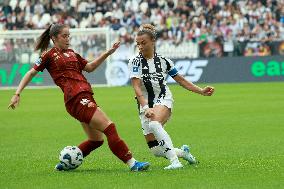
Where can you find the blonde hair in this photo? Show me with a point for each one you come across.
(149, 30)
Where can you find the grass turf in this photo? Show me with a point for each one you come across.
(237, 135)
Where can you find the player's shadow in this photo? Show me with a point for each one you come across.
(114, 171)
(99, 171)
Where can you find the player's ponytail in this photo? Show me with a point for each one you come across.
(42, 42)
(44, 39)
(149, 30)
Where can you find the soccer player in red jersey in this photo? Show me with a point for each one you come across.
(65, 67)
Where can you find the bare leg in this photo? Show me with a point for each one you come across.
(95, 140)
(92, 133)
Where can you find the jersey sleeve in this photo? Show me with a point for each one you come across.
(81, 60)
(41, 62)
(134, 68)
(172, 71)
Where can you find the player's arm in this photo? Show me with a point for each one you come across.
(206, 91)
(136, 83)
(24, 82)
(91, 66)
(173, 72)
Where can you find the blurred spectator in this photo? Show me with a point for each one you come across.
(7, 9)
(229, 23)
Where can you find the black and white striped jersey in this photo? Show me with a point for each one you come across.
(153, 74)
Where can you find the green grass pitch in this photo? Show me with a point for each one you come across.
(237, 134)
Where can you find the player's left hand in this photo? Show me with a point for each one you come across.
(114, 47)
(207, 91)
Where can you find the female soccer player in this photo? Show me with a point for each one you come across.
(65, 67)
(148, 72)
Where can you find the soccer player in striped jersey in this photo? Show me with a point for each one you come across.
(148, 72)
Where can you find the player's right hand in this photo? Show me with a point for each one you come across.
(15, 100)
(149, 112)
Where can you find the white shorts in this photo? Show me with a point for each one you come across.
(145, 121)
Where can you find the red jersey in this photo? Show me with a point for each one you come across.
(65, 67)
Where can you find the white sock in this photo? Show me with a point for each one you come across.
(131, 162)
(164, 140)
(158, 152)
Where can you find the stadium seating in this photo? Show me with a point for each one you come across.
(186, 20)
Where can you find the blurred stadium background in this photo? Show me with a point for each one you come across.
(235, 45)
(243, 37)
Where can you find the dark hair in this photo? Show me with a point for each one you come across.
(149, 30)
(42, 42)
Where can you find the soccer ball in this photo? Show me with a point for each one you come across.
(71, 157)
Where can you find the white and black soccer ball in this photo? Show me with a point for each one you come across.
(71, 157)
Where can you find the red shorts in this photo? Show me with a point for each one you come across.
(82, 107)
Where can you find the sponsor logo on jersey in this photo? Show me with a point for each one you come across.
(84, 101)
(66, 54)
(153, 76)
(55, 56)
(135, 69)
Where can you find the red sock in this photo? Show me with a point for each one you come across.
(116, 144)
(87, 146)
